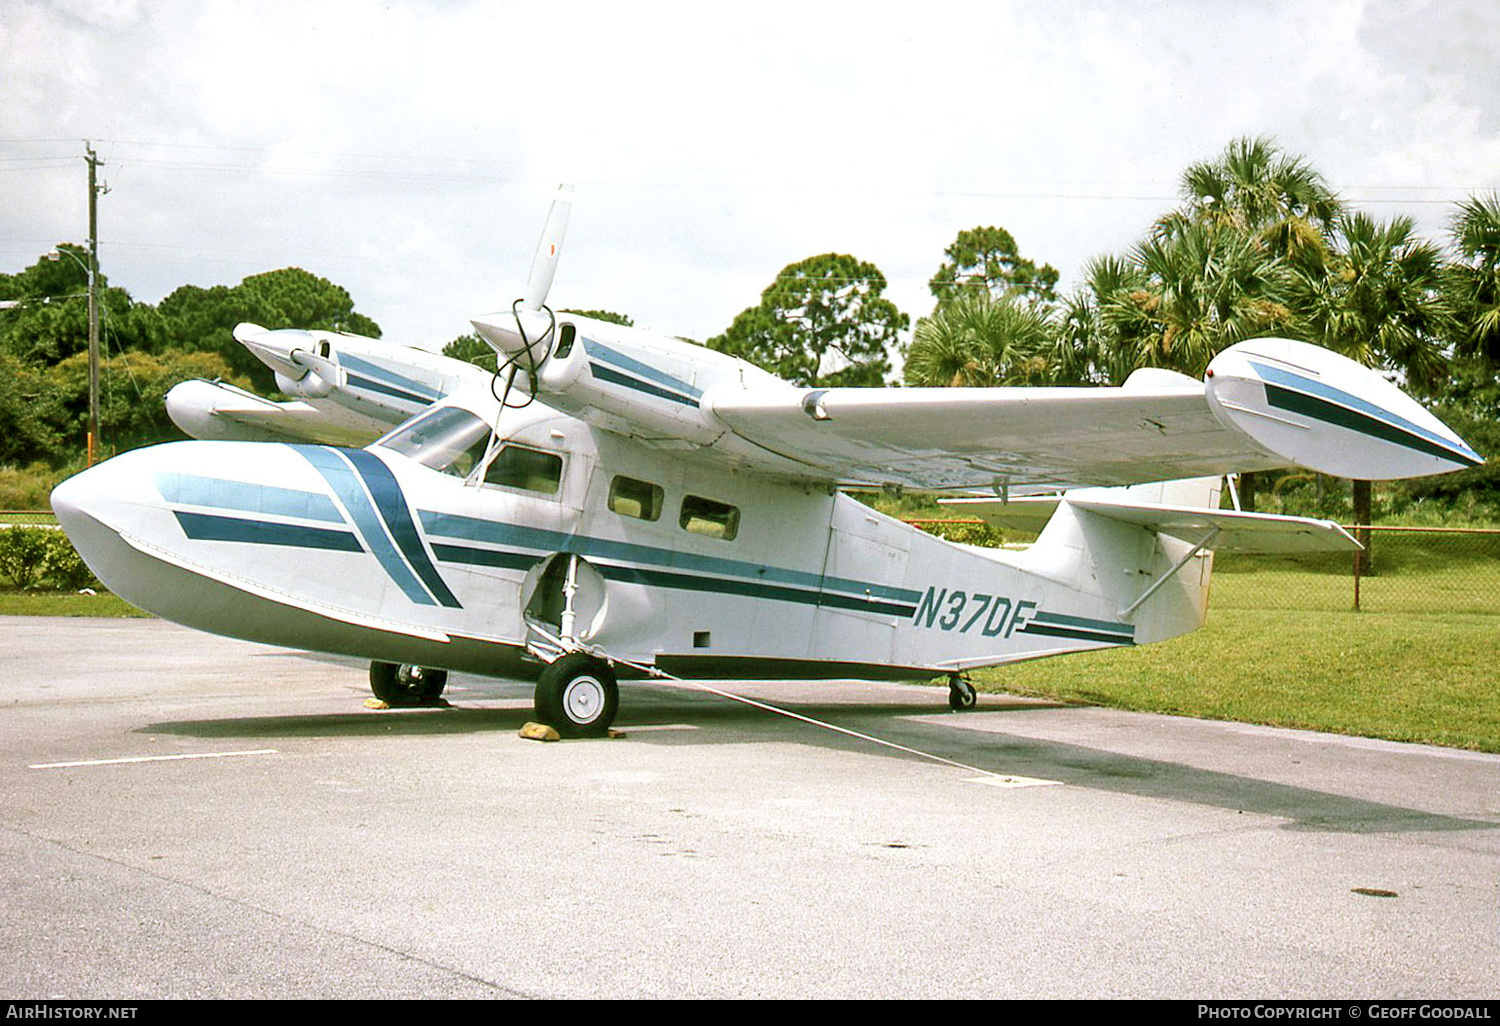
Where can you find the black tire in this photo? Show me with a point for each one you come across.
(578, 696)
(961, 695)
(406, 684)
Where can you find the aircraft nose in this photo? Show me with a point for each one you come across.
(89, 494)
(94, 507)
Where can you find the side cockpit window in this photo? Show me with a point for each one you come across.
(449, 439)
(533, 470)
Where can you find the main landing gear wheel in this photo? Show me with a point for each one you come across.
(406, 684)
(961, 694)
(578, 696)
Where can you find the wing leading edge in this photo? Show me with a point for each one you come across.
(1264, 404)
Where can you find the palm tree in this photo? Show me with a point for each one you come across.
(1204, 287)
(1473, 281)
(977, 340)
(1219, 264)
(1379, 301)
(1254, 188)
(1089, 349)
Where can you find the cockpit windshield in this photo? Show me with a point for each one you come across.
(447, 439)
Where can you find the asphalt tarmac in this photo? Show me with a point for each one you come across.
(187, 816)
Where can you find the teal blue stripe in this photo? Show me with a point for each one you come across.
(1288, 379)
(1081, 621)
(389, 376)
(417, 402)
(449, 525)
(209, 527)
(347, 485)
(390, 502)
(636, 367)
(192, 490)
(603, 373)
(1079, 628)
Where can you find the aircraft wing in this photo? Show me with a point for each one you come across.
(1020, 439)
(1263, 404)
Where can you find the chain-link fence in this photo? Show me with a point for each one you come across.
(1403, 569)
(27, 518)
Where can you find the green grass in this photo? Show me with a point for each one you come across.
(14, 602)
(1421, 673)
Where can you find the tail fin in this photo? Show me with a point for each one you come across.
(1148, 549)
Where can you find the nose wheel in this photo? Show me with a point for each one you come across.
(578, 696)
(961, 694)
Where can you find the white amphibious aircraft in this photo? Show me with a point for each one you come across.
(620, 504)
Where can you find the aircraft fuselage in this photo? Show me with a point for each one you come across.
(400, 552)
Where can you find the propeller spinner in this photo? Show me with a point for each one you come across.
(304, 364)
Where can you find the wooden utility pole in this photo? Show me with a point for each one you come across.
(93, 162)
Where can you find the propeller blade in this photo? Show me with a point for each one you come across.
(544, 265)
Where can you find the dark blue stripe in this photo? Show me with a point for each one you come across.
(346, 484)
(609, 374)
(639, 369)
(1076, 634)
(747, 589)
(485, 557)
(679, 581)
(1331, 413)
(1309, 397)
(1103, 626)
(391, 503)
(450, 525)
(375, 386)
(351, 362)
(208, 527)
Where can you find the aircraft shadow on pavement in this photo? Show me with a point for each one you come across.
(720, 721)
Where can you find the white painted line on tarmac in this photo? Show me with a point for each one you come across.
(1001, 780)
(152, 758)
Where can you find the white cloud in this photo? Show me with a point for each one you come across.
(408, 150)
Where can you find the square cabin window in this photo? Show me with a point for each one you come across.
(529, 469)
(631, 498)
(709, 518)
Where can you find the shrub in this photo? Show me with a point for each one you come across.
(34, 556)
(23, 555)
(29, 487)
(63, 566)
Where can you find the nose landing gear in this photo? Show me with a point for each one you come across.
(578, 696)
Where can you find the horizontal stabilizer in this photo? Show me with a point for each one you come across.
(1234, 531)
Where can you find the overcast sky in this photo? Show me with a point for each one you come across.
(408, 151)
